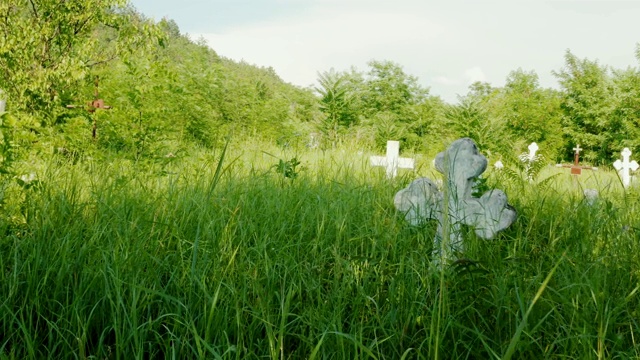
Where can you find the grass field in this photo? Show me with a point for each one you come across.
(188, 259)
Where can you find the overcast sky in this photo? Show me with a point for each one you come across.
(446, 44)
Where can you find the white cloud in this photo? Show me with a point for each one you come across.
(474, 74)
(443, 80)
(447, 45)
(329, 37)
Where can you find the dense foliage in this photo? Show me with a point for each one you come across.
(189, 260)
(219, 212)
(168, 92)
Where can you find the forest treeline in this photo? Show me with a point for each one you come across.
(168, 92)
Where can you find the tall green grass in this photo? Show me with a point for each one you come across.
(188, 260)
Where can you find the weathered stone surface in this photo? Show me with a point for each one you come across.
(421, 201)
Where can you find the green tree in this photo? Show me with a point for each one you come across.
(627, 107)
(48, 46)
(532, 113)
(338, 103)
(587, 108)
(254, 101)
(427, 124)
(472, 118)
(395, 105)
(389, 89)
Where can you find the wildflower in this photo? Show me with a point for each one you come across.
(27, 178)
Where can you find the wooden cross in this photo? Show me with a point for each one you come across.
(93, 105)
(576, 169)
(392, 161)
(624, 166)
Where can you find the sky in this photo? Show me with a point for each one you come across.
(446, 44)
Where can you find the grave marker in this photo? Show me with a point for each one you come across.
(529, 160)
(576, 168)
(533, 148)
(93, 105)
(461, 164)
(624, 166)
(392, 161)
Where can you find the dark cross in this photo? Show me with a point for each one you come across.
(576, 169)
(94, 104)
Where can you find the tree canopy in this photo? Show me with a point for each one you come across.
(167, 91)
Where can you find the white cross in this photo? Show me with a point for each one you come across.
(624, 166)
(532, 151)
(392, 161)
(577, 149)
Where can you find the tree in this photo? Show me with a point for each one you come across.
(472, 118)
(389, 89)
(626, 112)
(395, 106)
(48, 46)
(337, 102)
(587, 106)
(532, 113)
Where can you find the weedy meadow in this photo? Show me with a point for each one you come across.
(256, 251)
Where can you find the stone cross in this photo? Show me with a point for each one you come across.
(533, 147)
(392, 161)
(624, 166)
(453, 207)
(529, 159)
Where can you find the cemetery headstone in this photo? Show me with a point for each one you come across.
(392, 161)
(576, 168)
(529, 160)
(533, 148)
(461, 164)
(625, 166)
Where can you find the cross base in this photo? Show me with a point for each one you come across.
(577, 170)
